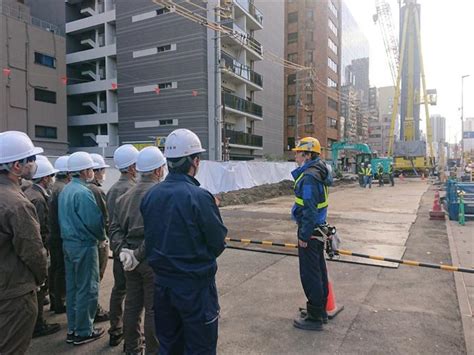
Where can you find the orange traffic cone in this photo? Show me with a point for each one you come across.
(331, 308)
(436, 212)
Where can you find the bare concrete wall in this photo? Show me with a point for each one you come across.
(272, 37)
(18, 108)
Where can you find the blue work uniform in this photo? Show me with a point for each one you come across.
(82, 228)
(184, 234)
(311, 189)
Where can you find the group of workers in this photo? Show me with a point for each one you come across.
(366, 175)
(165, 235)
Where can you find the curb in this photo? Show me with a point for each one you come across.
(461, 291)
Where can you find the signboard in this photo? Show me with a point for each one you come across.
(468, 135)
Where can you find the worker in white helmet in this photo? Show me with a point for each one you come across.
(184, 235)
(125, 159)
(57, 277)
(95, 185)
(129, 242)
(38, 194)
(22, 254)
(82, 229)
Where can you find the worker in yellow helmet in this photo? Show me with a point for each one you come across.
(312, 180)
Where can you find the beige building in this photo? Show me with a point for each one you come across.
(33, 77)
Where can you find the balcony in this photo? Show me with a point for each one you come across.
(240, 37)
(252, 12)
(243, 139)
(242, 71)
(241, 106)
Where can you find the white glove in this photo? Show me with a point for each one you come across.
(128, 259)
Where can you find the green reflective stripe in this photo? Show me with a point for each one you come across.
(298, 179)
(299, 201)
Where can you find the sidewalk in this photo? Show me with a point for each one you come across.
(461, 244)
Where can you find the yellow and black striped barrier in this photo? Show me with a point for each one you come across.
(350, 253)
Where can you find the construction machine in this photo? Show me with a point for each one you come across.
(412, 154)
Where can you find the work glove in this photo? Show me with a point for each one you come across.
(128, 259)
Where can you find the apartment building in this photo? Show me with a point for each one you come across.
(91, 57)
(32, 81)
(313, 39)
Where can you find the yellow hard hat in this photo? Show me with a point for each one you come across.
(308, 144)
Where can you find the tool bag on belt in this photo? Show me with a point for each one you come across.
(327, 234)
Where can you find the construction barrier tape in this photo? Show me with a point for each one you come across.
(351, 253)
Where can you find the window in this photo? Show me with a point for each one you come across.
(332, 45)
(149, 14)
(309, 36)
(293, 57)
(309, 98)
(46, 60)
(154, 50)
(332, 26)
(310, 14)
(293, 37)
(151, 88)
(293, 17)
(309, 56)
(309, 118)
(331, 83)
(332, 65)
(46, 132)
(291, 120)
(332, 104)
(333, 8)
(332, 122)
(291, 143)
(291, 79)
(45, 96)
(291, 100)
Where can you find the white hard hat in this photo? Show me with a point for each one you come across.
(80, 161)
(181, 143)
(99, 160)
(16, 146)
(149, 159)
(125, 155)
(61, 163)
(45, 168)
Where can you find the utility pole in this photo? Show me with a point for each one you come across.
(217, 90)
(462, 119)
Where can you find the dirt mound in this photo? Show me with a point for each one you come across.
(265, 192)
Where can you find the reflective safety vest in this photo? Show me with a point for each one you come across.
(299, 201)
(368, 172)
(390, 169)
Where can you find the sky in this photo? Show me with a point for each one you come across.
(447, 30)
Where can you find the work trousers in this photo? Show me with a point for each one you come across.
(117, 296)
(57, 276)
(380, 180)
(368, 181)
(17, 321)
(392, 180)
(313, 273)
(139, 295)
(186, 320)
(82, 288)
(103, 258)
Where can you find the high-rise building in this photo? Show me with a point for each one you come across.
(379, 127)
(438, 127)
(313, 39)
(91, 74)
(32, 78)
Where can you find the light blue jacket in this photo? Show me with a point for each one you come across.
(80, 218)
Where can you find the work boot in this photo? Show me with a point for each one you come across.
(101, 315)
(96, 334)
(115, 339)
(324, 314)
(46, 329)
(312, 321)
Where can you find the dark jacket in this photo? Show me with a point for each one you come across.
(54, 229)
(126, 230)
(23, 263)
(117, 190)
(184, 232)
(311, 190)
(99, 196)
(39, 198)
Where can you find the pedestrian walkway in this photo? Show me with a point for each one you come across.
(461, 243)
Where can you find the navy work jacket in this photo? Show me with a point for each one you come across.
(311, 197)
(184, 232)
